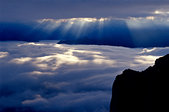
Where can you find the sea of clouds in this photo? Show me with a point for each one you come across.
(49, 77)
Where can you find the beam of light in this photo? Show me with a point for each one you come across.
(49, 24)
(68, 25)
(101, 26)
(80, 24)
(140, 22)
(81, 27)
(138, 26)
(85, 23)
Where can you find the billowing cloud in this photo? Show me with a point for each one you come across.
(45, 76)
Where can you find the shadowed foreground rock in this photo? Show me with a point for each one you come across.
(145, 91)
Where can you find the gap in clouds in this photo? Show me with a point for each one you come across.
(150, 31)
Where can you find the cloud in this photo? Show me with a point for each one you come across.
(155, 51)
(150, 31)
(45, 76)
(3, 54)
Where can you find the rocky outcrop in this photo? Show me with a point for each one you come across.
(145, 91)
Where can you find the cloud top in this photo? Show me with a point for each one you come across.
(45, 76)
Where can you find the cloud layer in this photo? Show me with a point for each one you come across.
(46, 76)
(150, 31)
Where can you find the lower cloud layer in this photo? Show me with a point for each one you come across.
(46, 76)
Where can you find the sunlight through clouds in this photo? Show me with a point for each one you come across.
(21, 60)
(148, 31)
(51, 24)
(64, 55)
(3, 54)
(71, 55)
(51, 76)
(140, 22)
(161, 12)
(31, 43)
(146, 59)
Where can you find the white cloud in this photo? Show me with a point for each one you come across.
(54, 77)
(161, 12)
(21, 60)
(38, 99)
(3, 54)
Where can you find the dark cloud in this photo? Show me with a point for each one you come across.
(23, 10)
(147, 31)
(46, 76)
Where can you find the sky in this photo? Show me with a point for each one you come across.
(28, 10)
(128, 23)
(63, 55)
(46, 77)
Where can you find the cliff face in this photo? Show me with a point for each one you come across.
(145, 91)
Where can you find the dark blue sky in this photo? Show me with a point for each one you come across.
(22, 10)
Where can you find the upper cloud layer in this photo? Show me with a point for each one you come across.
(46, 76)
(150, 31)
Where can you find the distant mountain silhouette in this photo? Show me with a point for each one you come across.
(145, 91)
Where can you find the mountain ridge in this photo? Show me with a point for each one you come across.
(145, 91)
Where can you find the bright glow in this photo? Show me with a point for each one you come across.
(54, 23)
(72, 20)
(31, 43)
(140, 22)
(65, 55)
(55, 60)
(141, 18)
(40, 73)
(3, 54)
(102, 60)
(80, 23)
(145, 50)
(158, 12)
(146, 59)
(150, 17)
(21, 60)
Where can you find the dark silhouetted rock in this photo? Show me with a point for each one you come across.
(145, 91)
